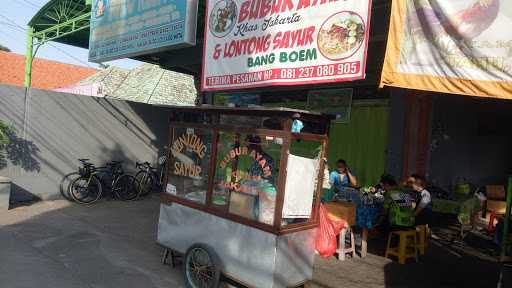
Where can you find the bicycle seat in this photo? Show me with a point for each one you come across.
(145, 164)
(83, 160)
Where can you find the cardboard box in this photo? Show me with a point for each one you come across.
(342, 210)
(242, 205)
(495, 192)
(499, 207)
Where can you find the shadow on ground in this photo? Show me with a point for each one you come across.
(59, 244)
(447, 263)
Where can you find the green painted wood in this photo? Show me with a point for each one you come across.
(362, 142)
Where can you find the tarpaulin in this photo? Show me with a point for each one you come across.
(461, 47)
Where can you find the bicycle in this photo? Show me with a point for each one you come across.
(89, 187)
(86, 189)
(70, 177)
(147, 177)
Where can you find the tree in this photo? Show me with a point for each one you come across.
(4, 134)
(3, 48)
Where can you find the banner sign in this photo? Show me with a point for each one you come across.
(461, 47)
(127, 28)
(254, 43)
(335, 102)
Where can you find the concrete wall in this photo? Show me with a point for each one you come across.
(61, 128)
(472, 138)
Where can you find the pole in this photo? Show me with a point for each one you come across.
(28, 56)
(28, 79)
(506, 222)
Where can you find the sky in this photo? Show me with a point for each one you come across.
(12, 36)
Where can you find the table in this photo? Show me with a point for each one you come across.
(347, 211)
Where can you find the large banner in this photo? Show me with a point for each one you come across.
(127, 28)
(254, 43)
(457, 46)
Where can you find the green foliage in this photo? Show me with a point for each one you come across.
(5, 130)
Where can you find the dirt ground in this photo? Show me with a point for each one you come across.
(112, 244)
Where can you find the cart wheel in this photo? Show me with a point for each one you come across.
(201, 267)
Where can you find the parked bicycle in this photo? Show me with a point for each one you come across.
(150, 178)
(92, 182)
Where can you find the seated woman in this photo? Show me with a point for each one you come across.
(342, 178)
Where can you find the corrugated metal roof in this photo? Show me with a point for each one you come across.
(147, 83)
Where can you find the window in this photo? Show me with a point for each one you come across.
(189, 165)
(247, 171)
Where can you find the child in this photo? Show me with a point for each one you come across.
(423, 210)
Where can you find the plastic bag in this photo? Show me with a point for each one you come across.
(326, 235)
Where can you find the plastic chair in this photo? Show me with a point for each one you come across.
(407, 246)
(422, 234)
(343, 248)
(490, 227)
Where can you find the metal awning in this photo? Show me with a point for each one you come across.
(63, 21)
(67, 22)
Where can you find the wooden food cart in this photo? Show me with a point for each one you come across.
(242, 194)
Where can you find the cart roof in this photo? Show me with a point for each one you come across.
(254, 111)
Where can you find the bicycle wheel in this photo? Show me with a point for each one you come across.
(126, 187)
(85, 190)
(65, 184)
(201, 267)
(146, 182)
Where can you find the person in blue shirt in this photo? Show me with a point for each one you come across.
(342, 177)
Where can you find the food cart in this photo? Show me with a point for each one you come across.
(242, 194)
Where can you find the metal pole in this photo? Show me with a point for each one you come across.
(28, 73)
(28, 56)
(506, 222)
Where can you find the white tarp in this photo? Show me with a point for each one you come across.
(301, 177)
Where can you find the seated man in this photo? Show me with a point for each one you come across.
(394, 198)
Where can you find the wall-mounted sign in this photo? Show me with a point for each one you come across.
(127, 28)
(254, 43)
(337, 102)
(236, 99)
(459, 47)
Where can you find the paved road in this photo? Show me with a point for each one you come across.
(111, 244)
(55, 244)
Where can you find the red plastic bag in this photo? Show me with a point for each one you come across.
(326, 235)
(338, 225)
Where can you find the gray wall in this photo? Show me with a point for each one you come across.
(473, 139)
(63, 127)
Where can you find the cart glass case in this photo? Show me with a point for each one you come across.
(247, 166)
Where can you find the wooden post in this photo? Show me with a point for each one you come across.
(364, 242)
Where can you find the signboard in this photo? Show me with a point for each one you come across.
(461, 47)
(127, 28)
(236, 99)
(337, 102)
(254, 43)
